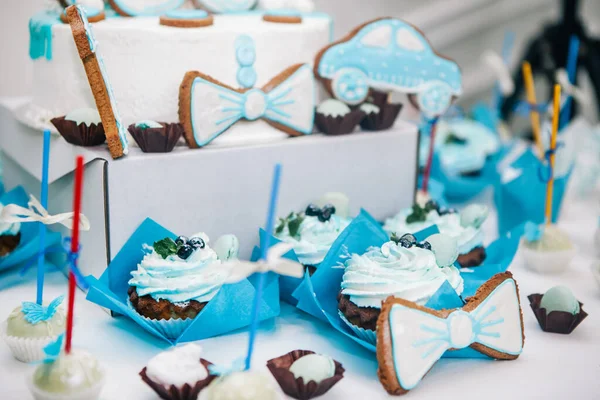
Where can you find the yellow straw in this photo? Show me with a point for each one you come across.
(550, 187)
(534, 115)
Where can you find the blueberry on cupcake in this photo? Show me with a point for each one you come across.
(464, 226)
(10, 236)
(334, 117)
(402, 268)
(177, 278)
(81, 127)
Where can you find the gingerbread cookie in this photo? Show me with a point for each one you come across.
(207, 107)
(412, 338)
(94, 10)
(95, 16)
(387, 55)
(144, 8)
(186, 19)
(283, 16)
(116, 133)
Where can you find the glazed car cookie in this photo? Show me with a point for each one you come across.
(412, 338)
(388, 54)
(135, 8)
(207, 107)
(116, 133)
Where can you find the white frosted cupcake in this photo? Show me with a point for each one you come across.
(30, 327)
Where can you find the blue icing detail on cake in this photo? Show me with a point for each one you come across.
(245, 54)
(227, 6)
(113, 103)
(154, 10)
(186, 14)
(284, 12)
(40, 34)
(391, 55)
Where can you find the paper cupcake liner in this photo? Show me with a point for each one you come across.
(556, 321)
(382, 120)
(297, 388)
(80, 135)
(157, 140)
(26, 350)
(170, 328)
(341, 125)
(186, 392)
(92, 393)
(367, 335)
(547, 261)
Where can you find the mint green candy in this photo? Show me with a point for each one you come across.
(560, 298)
(313, 367)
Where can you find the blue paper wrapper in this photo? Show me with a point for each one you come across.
(230, 309)
(287, 284)
(28, 247)
(524, 198)
(317, 295)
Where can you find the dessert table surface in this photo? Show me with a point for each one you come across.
(552, 366)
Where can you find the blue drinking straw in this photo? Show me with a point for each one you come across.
(42, 227)
(507, 47)
(572, 74)
(263, 256)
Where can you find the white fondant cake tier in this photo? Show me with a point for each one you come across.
(146, 62)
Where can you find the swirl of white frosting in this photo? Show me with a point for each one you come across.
(199, 277)
(468, 237)
(408, 273)
(177, 366)
(9, 228)
(314, 238)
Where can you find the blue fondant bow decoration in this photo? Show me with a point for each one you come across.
(53, 349)
(36, 313)
(223, 370)
(420, 336)
(210, 107)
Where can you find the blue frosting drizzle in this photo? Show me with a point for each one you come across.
(245, 54)
(36, 313)
(40, 35)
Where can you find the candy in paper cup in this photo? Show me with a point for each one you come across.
(24, 349)
(92, 393)
(544, 262)
(367, 335)
(171, 328)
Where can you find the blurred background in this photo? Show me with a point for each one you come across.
(461, 29)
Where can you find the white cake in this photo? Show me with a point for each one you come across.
(146, 62)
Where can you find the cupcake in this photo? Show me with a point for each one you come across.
(312, 232)
(10, 235)
(30, 327)
(402, 268)
(557, 310)
(243, 385)
(303, 375)
(82, 127)
(379, 113)
(546, 248)
(177, 278)
(465, 227)
(73, 376)
(179, 373)
(156, 137)
(334, 117)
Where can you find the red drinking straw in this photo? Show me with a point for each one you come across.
(427, 171)
(74, 248)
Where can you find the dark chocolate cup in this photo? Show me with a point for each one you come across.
(80, 135)
(157, 140)
(382, 120)
(186, 392)
(555, 321)
(297, 388)
(8, 243)
(341, 125)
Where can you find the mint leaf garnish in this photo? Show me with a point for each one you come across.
(394, 238)
(165, 247)
(452, 138)
(280, 226)
(418, 214)
(294, 224)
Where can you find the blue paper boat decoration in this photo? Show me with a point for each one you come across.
(28, 247)
(524, 198)
(229, 310)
